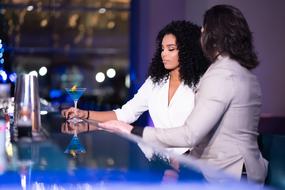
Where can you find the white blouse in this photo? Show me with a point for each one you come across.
(154, 98)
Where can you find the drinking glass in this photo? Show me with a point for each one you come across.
(75, 94)
(75, 147)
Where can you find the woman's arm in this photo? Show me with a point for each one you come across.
(128, 113)
(131, 110)
(100, 116)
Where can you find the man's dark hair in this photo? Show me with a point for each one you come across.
(226, 32)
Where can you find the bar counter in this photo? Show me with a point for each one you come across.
(83, 156)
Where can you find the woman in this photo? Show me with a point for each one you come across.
(222, 128)
(167, 93)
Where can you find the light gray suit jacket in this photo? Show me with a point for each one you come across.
(222, 128)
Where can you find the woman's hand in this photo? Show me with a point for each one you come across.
(70, 128)
(72, 112)
(116, 126)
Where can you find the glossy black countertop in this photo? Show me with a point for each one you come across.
(82, 156)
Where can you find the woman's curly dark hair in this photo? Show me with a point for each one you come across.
(192, 62)
(226, 32)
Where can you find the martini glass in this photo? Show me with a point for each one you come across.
(75, 94)
(75, 147)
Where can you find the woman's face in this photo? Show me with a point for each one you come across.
(169, 52)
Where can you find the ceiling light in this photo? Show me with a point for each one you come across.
(30, 8)
(111, 73)
(44, 23)
(102, 10)
(100, 77)
(43, 71)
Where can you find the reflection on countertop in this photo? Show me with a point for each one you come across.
(109, 161)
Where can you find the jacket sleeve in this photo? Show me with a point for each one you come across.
(131, 110)
(212, 100)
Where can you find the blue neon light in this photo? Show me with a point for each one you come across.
(3, 75)
(13, 77)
